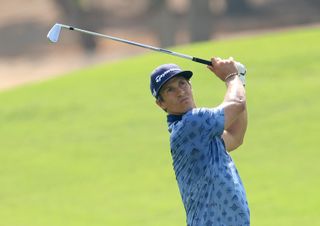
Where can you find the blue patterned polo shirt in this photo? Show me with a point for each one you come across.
(209, 183)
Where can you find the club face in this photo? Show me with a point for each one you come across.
(53, 34)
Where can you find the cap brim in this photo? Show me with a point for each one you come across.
(185, 74)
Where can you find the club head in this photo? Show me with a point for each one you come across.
(53, 34)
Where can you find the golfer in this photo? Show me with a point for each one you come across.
(200, 139)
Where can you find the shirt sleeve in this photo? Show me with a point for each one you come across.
(210, 119)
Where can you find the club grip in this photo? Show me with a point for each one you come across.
(202, 61)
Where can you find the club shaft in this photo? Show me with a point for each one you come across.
(133, 43)
(198, 60)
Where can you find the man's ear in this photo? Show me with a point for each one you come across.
(161, 104)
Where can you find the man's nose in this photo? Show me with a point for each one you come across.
(181, 91)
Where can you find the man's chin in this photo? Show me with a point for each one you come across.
(183, 108)
(188, 105)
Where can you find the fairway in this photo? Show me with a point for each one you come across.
(91, 148)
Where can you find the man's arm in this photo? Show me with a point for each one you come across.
(234, 135)
(234, 103)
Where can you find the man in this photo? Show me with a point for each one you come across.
(210, 187)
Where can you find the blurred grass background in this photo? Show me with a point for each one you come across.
(92, 148)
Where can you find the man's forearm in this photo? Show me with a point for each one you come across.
(234, 133)
(234, 101)
(235, 90)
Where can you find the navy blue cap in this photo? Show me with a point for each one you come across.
(164, 73)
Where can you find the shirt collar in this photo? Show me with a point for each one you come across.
(173, 118)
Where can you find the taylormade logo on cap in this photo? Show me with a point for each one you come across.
(154, 92)
(159, 77)
(164, 73)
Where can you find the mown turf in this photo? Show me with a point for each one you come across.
(91, 148)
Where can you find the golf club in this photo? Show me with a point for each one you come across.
(54, 33)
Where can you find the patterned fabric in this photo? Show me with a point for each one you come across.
(209, 183)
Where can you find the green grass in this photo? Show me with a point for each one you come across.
(91, 148)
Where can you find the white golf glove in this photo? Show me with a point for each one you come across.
(242, 72)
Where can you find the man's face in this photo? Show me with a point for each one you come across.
(176, 96)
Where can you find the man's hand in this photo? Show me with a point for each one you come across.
(223, 67)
